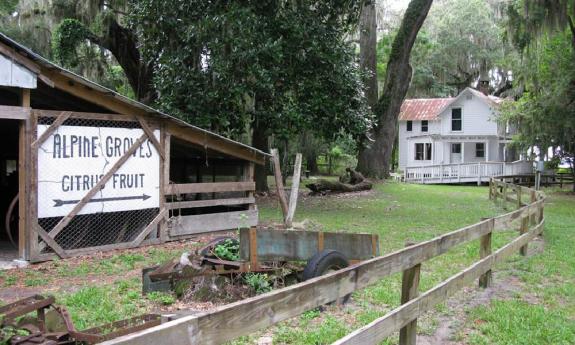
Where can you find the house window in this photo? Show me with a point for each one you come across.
(456, 119)
(418, 152)
(480, 150)
(456, 148)
(427, 151)
(424, 125)
(423, 151)
(409, 126)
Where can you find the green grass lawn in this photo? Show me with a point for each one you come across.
(405, 212)
(540, 309)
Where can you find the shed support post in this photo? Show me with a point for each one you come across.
(409, 291)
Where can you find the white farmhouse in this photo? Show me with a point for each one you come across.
(453, 140)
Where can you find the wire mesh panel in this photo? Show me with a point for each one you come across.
(71, 163)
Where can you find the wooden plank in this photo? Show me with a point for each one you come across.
(94, 116)
(286, 245)
(53, 127)
(151, 137)
(209, 203)
(189, 225)
(504, 221)
(213, 187)
(51, 242)
(64, 221)
(15, 113)
(409, 291)
(153, 225)
(294, 191)
(279, 183)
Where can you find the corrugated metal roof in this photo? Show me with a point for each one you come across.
(27, 52)
(422, 109)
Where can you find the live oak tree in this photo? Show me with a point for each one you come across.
(271, 68)
(90, 37)
(375, 155)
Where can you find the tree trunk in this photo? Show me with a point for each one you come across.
(260, 141)
(374, 160)
(334, 186)
(368, 49)
(123, 44)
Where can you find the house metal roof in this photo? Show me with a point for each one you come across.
(28, 53)
(422, 109)
(431, 108)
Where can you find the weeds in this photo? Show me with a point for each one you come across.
(258, 282)
(161, 298)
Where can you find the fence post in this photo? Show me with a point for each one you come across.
(505, 195)
(484, 251)
(409, 291)
(533, 200)
(522, 230)
(490, 188)
(495, 189)
(518, 188)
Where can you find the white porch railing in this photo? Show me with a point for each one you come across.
(465, 172)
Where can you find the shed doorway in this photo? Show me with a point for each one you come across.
(9, 186)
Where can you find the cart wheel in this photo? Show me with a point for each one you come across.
(324, 262)
(207, 249)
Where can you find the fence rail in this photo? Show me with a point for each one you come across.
(244, 317)
(465, 172)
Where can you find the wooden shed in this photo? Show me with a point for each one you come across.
(85, 169)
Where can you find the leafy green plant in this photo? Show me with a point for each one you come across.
(228, 250)
(161, 298)
(8, 332)
(258, 282)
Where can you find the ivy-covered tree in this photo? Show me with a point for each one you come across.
(276, 68)
(544, 35)
(89, 37)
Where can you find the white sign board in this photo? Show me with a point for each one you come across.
(74, 158)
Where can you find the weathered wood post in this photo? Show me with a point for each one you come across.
(484, 251)
(505, 195)
(409, 291)
(254, 265)
(294, 191)
(518, 189)
(522, 230)
(490, 188)
(279, 182)
(533, 200)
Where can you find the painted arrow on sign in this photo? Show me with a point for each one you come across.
(58, 202)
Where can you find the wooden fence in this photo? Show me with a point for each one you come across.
(244, 317)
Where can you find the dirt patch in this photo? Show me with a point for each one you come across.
(505, 285)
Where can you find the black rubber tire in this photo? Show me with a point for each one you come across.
(324, 261)
(215, 242)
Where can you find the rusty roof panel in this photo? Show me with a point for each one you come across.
(422, 109)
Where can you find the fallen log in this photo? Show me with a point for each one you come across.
(321, 186)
